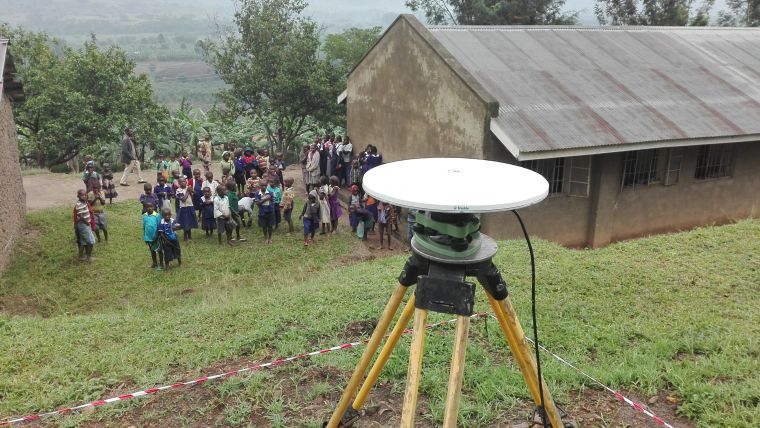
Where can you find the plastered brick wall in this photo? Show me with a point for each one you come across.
(12, 196)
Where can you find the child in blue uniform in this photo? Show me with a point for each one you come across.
(167, 238)
(207, 212)
(150, 221)
(265, 201)
(310, 216)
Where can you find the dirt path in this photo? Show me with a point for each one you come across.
(50, 190)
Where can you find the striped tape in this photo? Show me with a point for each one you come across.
(204, 379)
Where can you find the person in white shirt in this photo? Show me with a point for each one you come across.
(210, 183)
(347, 153)
(222, 214)
(245, 205)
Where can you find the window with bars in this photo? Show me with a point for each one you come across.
(553, 171)
(714, 161)
(673, 168)
(639, 168)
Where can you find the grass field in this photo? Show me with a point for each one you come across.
(672, 315)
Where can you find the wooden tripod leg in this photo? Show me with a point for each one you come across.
(511, 327)
(385, 354)
(409, 410)
(374, 342)
(457, 372)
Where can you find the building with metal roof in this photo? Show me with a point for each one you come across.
(638, 130)
(13, 204)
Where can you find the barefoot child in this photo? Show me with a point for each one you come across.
(324, 205)
(107, 183)
(332, 199)
(222, 214)
(286, 205)
(207, 212)
(385, 221)
(150, 220)
(97, 202)
(234, 209)
(265, 201)
(167, 239)
(310, 216)
(84, 223)
(186, 213)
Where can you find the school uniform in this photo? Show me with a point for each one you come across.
(266, 209)
(222, 213)
(168, 240)
(186, 213)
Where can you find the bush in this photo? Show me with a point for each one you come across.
(61, 168)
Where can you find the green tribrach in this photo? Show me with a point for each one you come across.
(450, 235)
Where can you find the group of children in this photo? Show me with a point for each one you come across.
(183, 199)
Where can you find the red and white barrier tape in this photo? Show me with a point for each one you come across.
(642, 408)
(203, 379)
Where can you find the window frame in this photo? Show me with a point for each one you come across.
(640, 170)
(727, 166)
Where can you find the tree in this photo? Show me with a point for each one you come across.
(272, 66)
(744, 13)
(77, 99)
(494, 12)
(344, 50)
(653, 12)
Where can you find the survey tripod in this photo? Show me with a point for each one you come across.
(447, 248)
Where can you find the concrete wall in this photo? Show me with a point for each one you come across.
(612, 214)
(691, 202)
(404, 99)
(558, 218)
(13, 199)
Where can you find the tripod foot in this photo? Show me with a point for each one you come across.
(349, 417)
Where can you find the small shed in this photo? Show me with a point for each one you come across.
(639, 130)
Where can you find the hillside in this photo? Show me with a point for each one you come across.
(670, 320)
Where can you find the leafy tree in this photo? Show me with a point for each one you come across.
(77, 99)
(653, 12)
(272, 65)
(744, 13)
(494, 12)
(344, 50)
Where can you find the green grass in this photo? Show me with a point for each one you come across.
(675, 313)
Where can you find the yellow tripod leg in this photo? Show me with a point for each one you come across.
(409, 410)
(385, 354)
(510, 325)
(457, 372)
(374, 342)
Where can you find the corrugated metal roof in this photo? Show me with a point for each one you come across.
(563, 88)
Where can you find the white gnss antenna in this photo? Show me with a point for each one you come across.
(449, 195)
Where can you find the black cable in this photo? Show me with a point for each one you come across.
(533, 314)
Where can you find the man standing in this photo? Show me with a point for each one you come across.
(129, 158)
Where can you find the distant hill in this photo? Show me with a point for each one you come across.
(77, 17)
